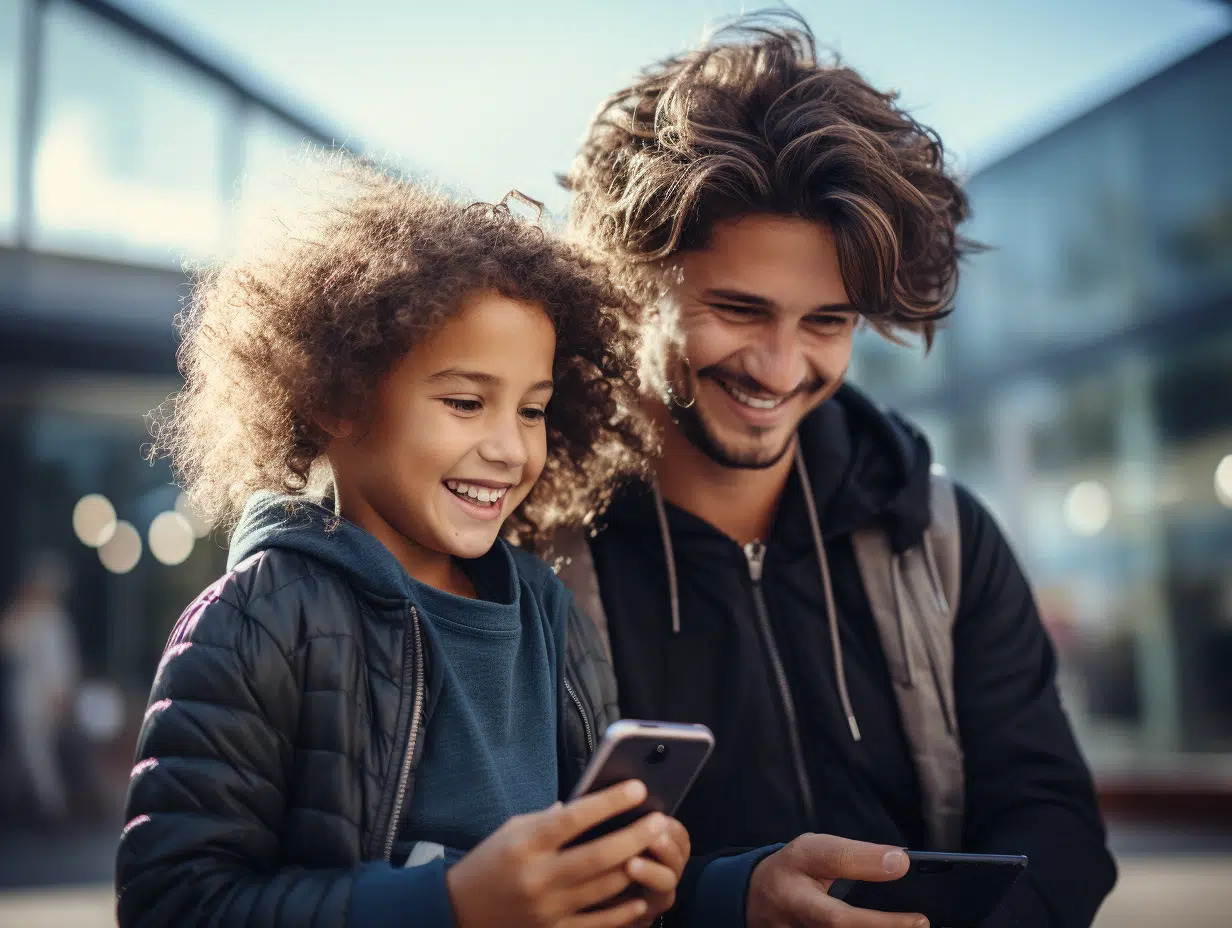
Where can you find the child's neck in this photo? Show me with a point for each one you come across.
(434, 568)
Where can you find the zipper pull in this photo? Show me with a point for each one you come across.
(755, 554)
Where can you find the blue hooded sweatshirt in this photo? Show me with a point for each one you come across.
(490, 747)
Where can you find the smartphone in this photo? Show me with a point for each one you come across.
(952, 890)
(666, 756)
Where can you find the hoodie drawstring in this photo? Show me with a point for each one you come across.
(822, 563)
(669, 555)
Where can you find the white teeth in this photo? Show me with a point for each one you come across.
(478, 494)
(753, 401)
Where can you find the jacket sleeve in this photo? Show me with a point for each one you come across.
(208, 793)
(714, 889)
(1028, 789)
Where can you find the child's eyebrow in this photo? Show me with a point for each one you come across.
(477, 377)
(480, 377)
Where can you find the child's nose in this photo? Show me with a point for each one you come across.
(506, 445)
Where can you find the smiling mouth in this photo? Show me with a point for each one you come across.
(748, 399)
(479, 495)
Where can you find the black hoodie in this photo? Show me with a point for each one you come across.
(1028, 790)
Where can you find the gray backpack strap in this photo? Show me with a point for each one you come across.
(570, 557)
(914, 598)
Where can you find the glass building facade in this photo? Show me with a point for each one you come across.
(1084, 389)
(121, 155)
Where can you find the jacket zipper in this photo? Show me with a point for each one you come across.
(755, 553)
(590, 735)
(404, 778)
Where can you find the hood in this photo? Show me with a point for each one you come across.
(867, 466)
(272, 520)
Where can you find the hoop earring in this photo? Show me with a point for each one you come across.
(674, 395)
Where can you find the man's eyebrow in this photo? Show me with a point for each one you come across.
(752, 299)
(738, 296)
(482, 378)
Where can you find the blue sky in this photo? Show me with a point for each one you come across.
(488, 95)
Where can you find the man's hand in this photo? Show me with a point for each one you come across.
(658, 871)
(789, 888)
(524, 876)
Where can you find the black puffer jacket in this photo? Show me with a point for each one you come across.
(278, 753)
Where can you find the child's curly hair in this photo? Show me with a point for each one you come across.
(298, 330)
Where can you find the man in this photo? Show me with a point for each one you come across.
(765, 204)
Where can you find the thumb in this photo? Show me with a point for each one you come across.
(828, 858)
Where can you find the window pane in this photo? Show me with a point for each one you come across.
(12, 13)
(128, 158)
(1187, 136)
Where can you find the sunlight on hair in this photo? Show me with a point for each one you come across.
(200, 526)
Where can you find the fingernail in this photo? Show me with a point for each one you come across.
(893, 862)
(635, 790)
(922, 923)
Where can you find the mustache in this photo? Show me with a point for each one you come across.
(806, 387)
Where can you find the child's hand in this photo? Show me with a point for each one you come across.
(658, 871)
(521, 877)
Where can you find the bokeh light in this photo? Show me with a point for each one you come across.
(1088, 506)
(94, 520)
(123, 550)
(1223, 481)
(171, 538)
(200, 527)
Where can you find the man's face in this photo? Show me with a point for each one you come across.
(767, 332)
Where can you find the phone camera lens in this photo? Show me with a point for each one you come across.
(658, 755)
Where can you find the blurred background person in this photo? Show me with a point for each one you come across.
(41, 677)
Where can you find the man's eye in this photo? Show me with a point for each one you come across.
(463, 405)
(737, 310)
(829, 322)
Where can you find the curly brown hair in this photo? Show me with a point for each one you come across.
(296, 331)
(754, 122)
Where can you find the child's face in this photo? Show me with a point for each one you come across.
(457, 439)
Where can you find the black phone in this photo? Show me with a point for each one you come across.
(952, 890)
(666, 756)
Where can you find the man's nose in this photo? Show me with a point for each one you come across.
(776, 360)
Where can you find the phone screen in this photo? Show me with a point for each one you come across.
(955, 890)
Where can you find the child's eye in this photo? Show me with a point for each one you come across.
(462, 405)
(533, 414)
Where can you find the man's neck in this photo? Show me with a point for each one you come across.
(739, 502)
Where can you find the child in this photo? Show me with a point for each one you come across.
(378, 673)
